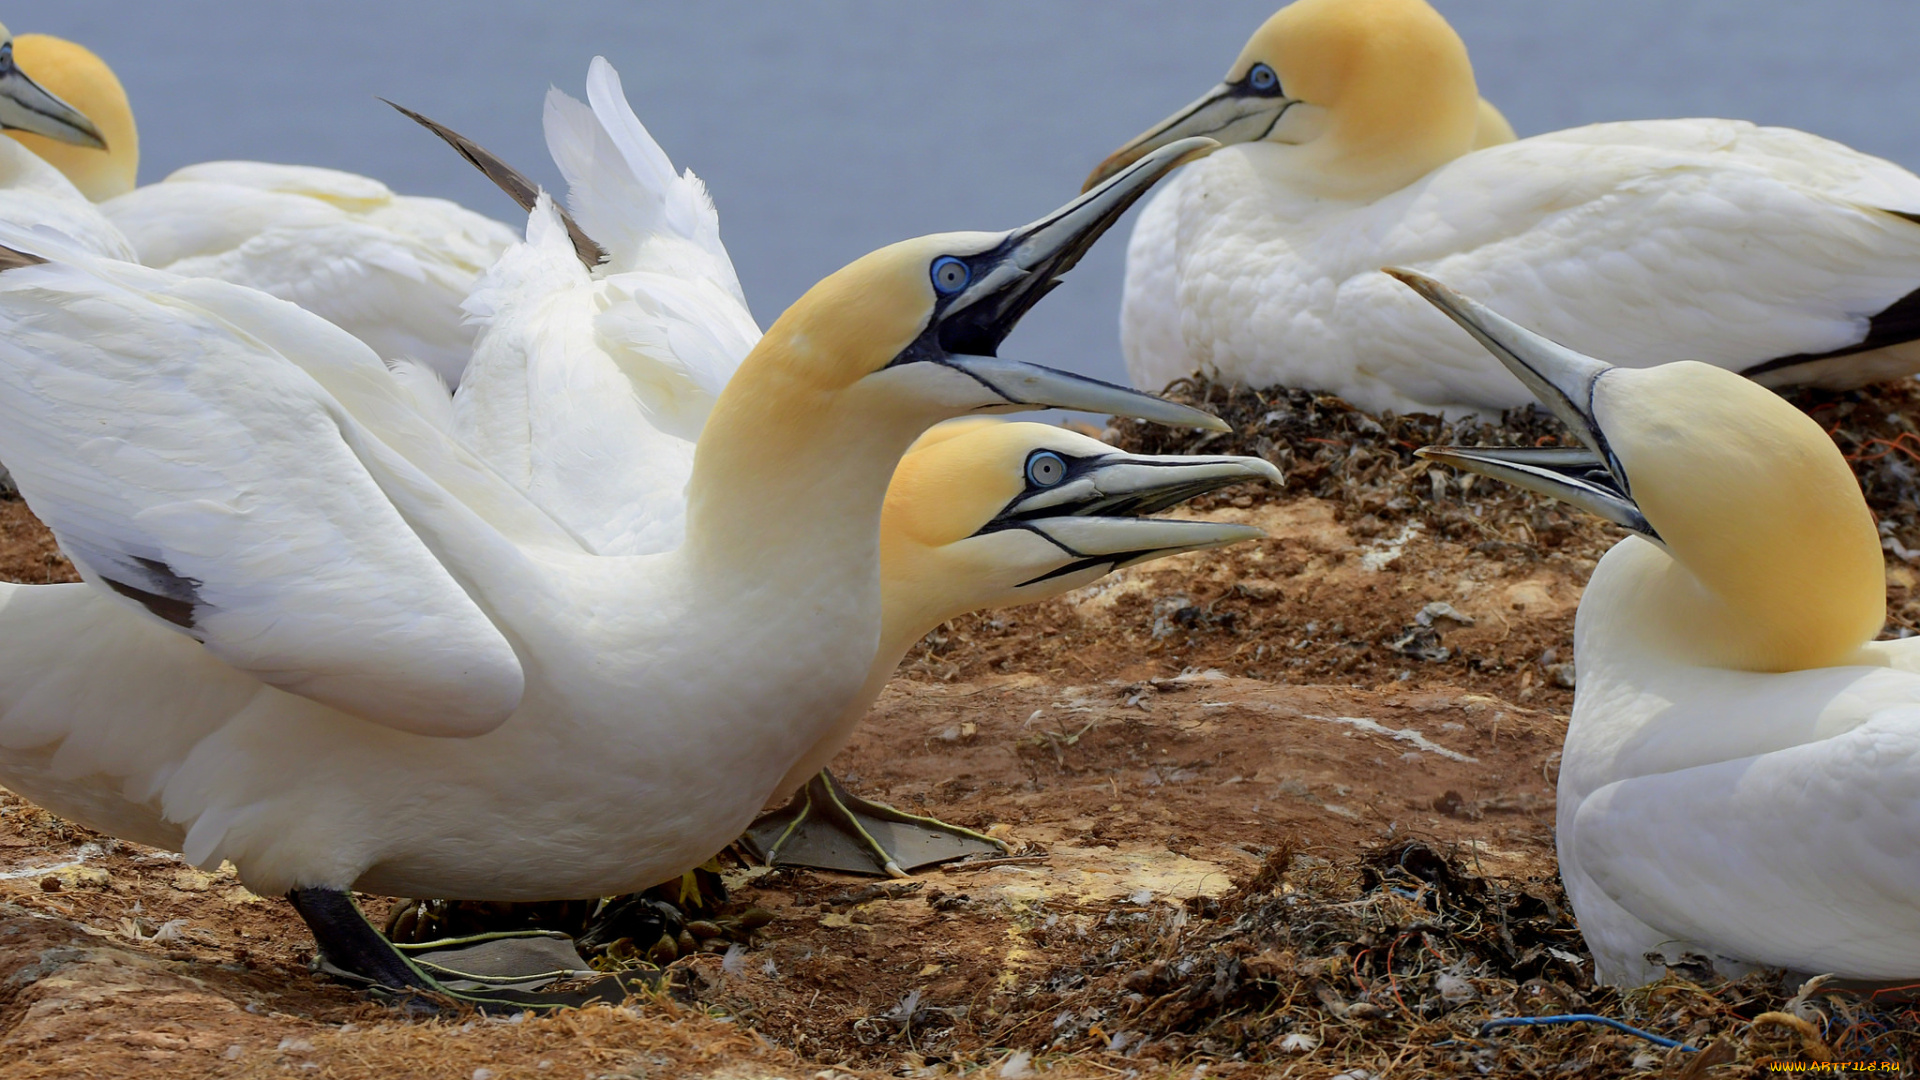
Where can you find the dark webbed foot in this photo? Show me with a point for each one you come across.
(494, 973)
(828, 828)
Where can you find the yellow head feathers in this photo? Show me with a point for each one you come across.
(78, 77)
(1756, 502)
(1392, 77)
(1360, 97)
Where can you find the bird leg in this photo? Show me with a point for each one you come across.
(478, 971)
(827, 828)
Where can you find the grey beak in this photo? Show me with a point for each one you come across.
(1563, 380)
(25, 106)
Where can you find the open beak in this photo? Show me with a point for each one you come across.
(1563, 380)
(1091, 515)
(1229, 113)
(1026, 265)
(24, 106)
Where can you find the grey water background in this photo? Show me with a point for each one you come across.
(826, 129)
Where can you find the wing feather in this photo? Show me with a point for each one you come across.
(191, 469)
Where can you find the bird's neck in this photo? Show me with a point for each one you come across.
(788, 482)
(1643, 603)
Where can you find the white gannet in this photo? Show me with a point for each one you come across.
(45, 129)
(319, 638)
(390, 269)
(1741, 776)
(603, 343)
(1762, 250)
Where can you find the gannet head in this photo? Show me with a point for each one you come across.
(911, 331)
(996, 514)
(1373, 94)
(1779, 563)
(72, 112)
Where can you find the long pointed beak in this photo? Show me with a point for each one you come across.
(25, 106)
(1030, 261)
(1563, 380)
(1569, 473)
(1035, 386)
(1137, 484)
(1110, 543)
(1226, 114)
(1026, 266)
(1090, 516)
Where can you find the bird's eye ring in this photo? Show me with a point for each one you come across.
(1045, 468)
(1262, 78)
(950, 275)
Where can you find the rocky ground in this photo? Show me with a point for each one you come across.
(1283, 810)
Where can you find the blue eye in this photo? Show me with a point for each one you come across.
(1262, 78)
(950, 275)
(1046, 468)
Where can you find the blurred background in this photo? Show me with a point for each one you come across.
(829, 128)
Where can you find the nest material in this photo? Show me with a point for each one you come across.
(1395, 961)
(1364, 462)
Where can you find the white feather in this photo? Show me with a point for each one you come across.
(1637, 243)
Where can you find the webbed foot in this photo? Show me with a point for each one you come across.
(493, 973)
(827, 828)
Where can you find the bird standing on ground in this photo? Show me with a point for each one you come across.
(346, 654)
(1741, 775)
(1353, 125)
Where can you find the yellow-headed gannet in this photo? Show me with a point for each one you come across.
(390, 269)
(47, 128)
(987, 517)
(321, 639)
(1741, 775)
(1766, 251)
(603, 343)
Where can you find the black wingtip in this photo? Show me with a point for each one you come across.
(11, 259)
(521, 190)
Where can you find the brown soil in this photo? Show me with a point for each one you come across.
(1262, 801)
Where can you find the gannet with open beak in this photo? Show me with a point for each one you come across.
(45, 128)
(1765, 251)
(604, 341)
(1741, 776)
(981, 517)
(319, 638)
(390, 269)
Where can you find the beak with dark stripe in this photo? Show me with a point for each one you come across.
(995, 285)
(1243, 110)
(25, 106)
(1563, 380)
(1089, 514)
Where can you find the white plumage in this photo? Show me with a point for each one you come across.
(1766, 251)
(588, 389)
(390, 269)
(415, 680)
(1741, 774)
(1638, 243)
(33, 194)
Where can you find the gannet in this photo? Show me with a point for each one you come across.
(603, 342)
(33, 192)
(1741, 776)
(1766, 251)
(317, 637)
(390, 269)
(978, 517)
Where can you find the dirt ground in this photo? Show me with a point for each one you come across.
(1282, 810)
